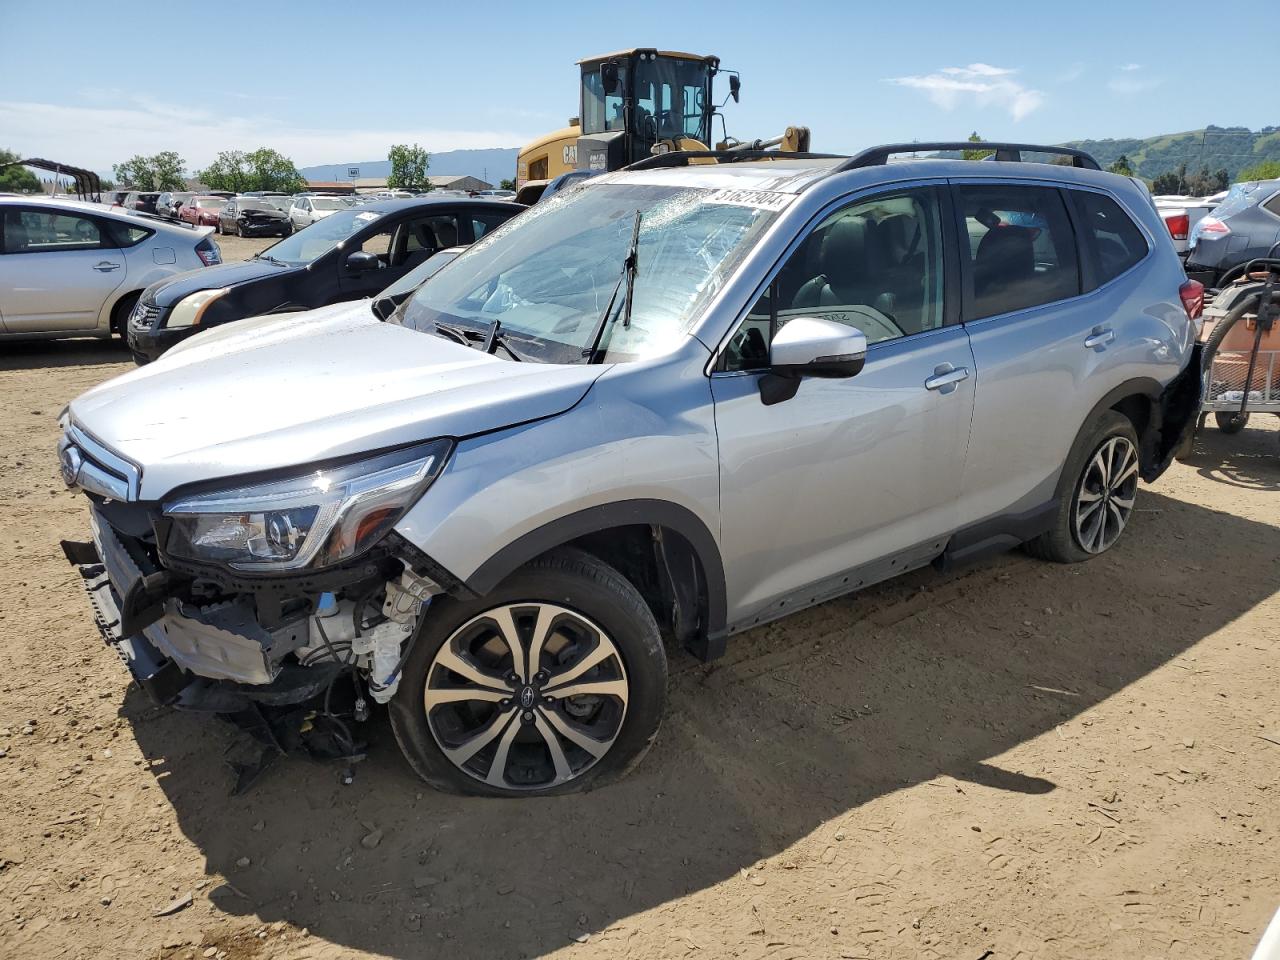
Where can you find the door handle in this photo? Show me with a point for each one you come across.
(106, 266)
(945, 377)
(1100, 337)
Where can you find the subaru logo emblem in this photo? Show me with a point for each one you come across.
(526, 697)
(69, 462)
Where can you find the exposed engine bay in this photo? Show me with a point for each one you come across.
(287, 659)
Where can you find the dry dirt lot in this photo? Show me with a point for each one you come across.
(1017, 760)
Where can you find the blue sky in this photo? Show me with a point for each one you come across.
(360, 76)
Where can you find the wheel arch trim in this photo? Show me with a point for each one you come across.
(622, 513)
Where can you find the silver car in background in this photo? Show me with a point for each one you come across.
(72, 269)
(306, 210)
(674, 403)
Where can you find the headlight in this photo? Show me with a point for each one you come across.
(315, 520)
(188, 311)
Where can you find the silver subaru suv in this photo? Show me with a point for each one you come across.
(671, 405)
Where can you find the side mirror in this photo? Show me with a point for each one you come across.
(609, 77)
(383, 307)
(811, 347)
(362, 262)
(735, 86)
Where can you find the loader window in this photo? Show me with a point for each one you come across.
(674, 94)
(600, 111)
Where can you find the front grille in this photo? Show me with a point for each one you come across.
(93, 467)
(145, 314)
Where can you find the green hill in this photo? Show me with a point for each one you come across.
(1213, 148)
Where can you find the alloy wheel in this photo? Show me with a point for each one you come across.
(1104, 498)
(526, 696)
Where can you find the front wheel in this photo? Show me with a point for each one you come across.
(1094, 511)
(553, 682)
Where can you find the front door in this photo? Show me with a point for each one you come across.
(852, 473)
(57, 269)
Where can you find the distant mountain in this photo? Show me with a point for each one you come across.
(489, 165)
(1213, 148)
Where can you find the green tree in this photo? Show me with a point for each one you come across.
(975, 154)
(1121, 166)
(262, 169)
(16, 179)
(1266, 170)
(162, 171)
(1172, 181)
(507, 185)
(409, 167)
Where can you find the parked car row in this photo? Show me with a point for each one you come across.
(675, 403)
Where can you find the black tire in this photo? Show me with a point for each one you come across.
(287, 231)
(1060, 543)
(578, 582)
(120, 314)
(240, 230)
(1231, 423)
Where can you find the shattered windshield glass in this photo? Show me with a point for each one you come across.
(550, 274)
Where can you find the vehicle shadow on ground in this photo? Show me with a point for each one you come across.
(1250, 458)
(35, 354)
(803, 722)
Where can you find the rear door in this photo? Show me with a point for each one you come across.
(57, 269)
(1040, 346)
(857, 473)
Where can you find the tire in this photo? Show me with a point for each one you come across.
(287, 231)
(1070, 539)
(120, 314)
(240, 231)
(581, 594)
(1231, 423)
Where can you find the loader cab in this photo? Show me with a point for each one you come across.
(636, 99)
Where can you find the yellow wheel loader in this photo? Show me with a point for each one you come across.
(634, 104)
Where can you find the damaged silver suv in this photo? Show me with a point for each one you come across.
(676, 403)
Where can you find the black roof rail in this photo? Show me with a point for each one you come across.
(681, 158)
(1004, 152)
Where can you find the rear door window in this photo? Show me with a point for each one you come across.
(1110, 239)
(38, 231)
(1018, 248)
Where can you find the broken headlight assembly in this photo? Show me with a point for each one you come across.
(311, 521)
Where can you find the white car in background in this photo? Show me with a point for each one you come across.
(73, 269)
(307, 210)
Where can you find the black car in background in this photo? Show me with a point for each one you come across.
(1245, 225)
(350, 254)
(249, 216)
(143, 201)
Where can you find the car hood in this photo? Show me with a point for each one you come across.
(272, 212)
(172, 289)
(279, 392)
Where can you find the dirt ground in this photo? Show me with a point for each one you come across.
(1016, 760)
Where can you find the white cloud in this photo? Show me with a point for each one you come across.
(979, 83)
(98, 136)
(1130, 67)
(1129, 80)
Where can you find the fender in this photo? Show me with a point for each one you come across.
(1143, 386)
(622, 513)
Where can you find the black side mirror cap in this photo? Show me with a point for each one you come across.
(361, 261)
(735, 87)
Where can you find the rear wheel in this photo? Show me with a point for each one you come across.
(1231, 422)
(120, 313)
(1095, 510)
(552, 682)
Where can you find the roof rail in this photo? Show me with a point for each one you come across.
(681, 158)
(1004, 152)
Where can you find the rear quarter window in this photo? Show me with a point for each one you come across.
(127, 234)
(1111, 240)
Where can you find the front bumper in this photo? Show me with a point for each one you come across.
(148, 340)
(267, 228)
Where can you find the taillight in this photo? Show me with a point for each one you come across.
(1191, 293)
(1213, 225)
(208, 252)
(1178, 226)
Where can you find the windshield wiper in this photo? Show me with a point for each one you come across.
(457, 334)
(269, 259)
(494, 338)
(629, 271)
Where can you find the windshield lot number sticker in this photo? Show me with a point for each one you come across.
(760, 199)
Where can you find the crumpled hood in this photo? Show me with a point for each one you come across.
(279, 392)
